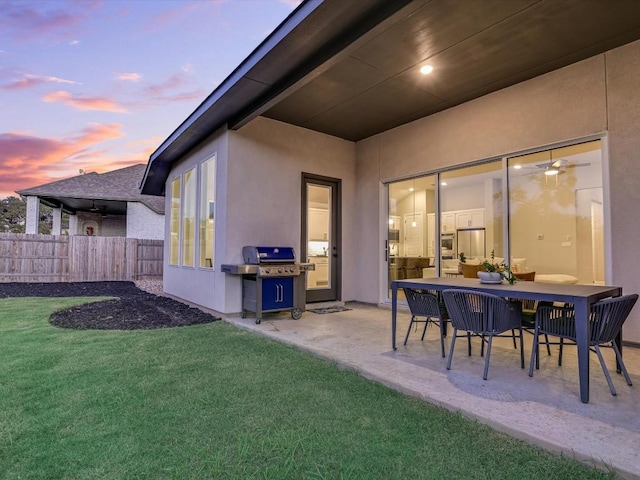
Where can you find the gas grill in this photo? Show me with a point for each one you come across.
(272, 281)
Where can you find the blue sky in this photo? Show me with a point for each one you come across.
(99, 84)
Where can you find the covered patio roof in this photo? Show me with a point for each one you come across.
(352, 69)
(104, 193)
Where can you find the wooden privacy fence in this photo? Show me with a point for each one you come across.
(54, 258)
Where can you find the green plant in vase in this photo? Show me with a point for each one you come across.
(502, 269)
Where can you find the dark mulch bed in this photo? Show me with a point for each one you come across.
(133, 309)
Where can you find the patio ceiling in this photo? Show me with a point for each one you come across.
(475, 47)
(351, 69)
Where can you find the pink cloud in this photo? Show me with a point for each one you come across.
(84, 102)
(29, 22)
(165, 91)
(31, 81)
(132, 77)
(171, 83)
(27, 160)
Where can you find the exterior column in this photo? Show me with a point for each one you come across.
(33, 215)
(73, 224)
(56, 229)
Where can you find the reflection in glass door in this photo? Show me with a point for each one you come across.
(411, 238)
(556, 220)
(318, 235)
(471, 204)
(321, 200)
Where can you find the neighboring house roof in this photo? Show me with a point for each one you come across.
(108, 191)
(350, 69)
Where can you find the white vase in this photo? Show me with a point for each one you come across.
(489, 277)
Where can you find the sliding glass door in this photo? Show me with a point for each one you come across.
(548, 223)
(556, 221)
(411, 236)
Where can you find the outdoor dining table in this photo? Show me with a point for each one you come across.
(581, 296)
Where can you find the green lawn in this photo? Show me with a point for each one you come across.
(216, 402)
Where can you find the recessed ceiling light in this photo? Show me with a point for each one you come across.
(426, 69)
(411, 189)
(517, 167)
(443, 183)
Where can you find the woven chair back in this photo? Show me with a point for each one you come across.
(608, 316)
(422, 303)
(606, 319)
(481, 312)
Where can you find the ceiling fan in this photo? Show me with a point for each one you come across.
(554, 167)
(557, 167)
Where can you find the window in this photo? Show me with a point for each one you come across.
(471, 205)
(411, 229)
(174, 238)
(189, 218)
(207, 213)
(556, 214)
(554, 224)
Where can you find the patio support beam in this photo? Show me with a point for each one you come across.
(33, 214)
(56, 229)
(73, 224)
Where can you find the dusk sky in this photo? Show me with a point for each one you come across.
(99, 84)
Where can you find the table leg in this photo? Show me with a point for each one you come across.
(582, 341)
(618, 341)
(394, 308)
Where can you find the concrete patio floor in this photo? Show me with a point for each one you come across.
(544, 410)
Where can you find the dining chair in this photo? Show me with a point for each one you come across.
(470, 271)
(529, 309)
(605, 322)
(483, 315)
(525, 276)
(426, 308)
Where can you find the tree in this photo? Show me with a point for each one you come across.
(13, 216)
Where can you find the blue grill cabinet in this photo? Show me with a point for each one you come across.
(271, 281)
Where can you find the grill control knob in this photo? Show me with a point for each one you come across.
(267, 271)
(280, 270)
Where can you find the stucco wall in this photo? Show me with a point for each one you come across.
(598, 95)
(200, 286)
(266, 162)
(142, 222)
(258, 202)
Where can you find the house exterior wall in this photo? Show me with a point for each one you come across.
(196, 285)
(142, 222)
(113, 226)
(258, 202)
(595, 96)
(266, 162)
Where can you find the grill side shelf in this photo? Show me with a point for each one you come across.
(240, 269)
